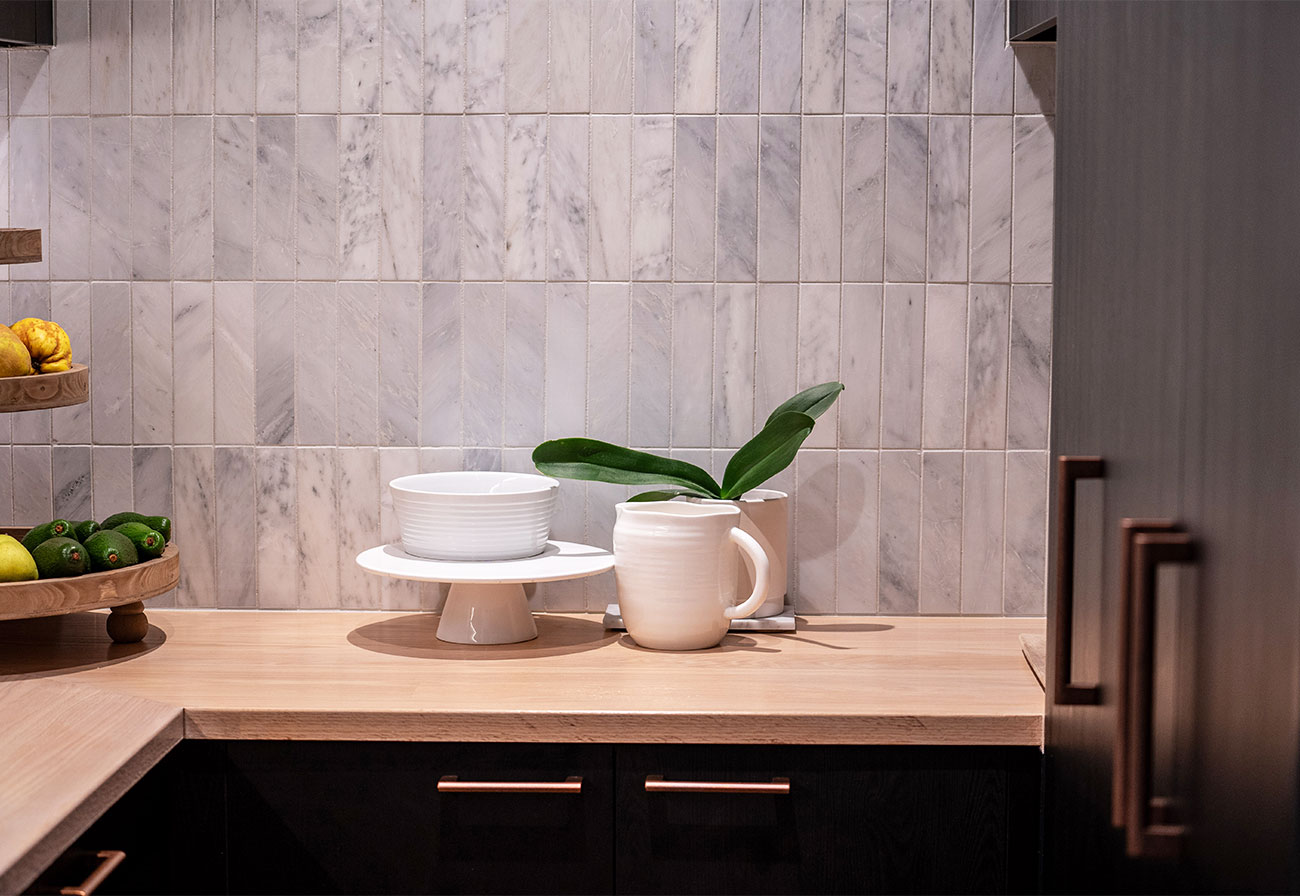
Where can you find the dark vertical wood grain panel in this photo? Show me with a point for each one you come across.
(27, 23)
(1032, 20)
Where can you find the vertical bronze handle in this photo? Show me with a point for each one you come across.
(109, 859)
(1147, 836)
(1069, 470)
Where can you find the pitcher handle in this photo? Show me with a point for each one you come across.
(746, 543)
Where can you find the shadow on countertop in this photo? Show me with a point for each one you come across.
(415, 635)
(58, 645)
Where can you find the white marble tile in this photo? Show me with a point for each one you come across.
(1030, 370)
(523, 370)
(611, 191)
(443, 169)
(737, 201)
(696, 41)
(192, 363)
(857, 553)
(235, 498)
(70, 306)
(275, 475)
(151, 479)
(68, 237)
(695, 204)
(1035, 81)
(399, 364)
(7, 482)
(951, 25)
(33, 485)
(608, 352)
(71, 482)
(151, 57)
(235, 36)
(1031, 226)
(110, 358)
(566, 360)
(359, 188)
(358, 366)
(652, 197)
(944, 406)
(31, 299)
(569, 87)
(568, 524)
(444, 56)
(611, 57)
(983, 486)
(485, 55)
(1024, 573)
(819, 362)
(110, 57)
(80, 354)
(401, 211)
(484, 404)
(738, 56)
(192, 224)
(692, 365)
(860, 347)
(866, 28)
(941, 532)
(358, 491)
(986, 366)
(234, 421)
(821, 187)
(483, 246)
(318, 56)
(780, 57)
(526, 197)
(526, 56)
(650, 364)
(863, 243)
(908, 146)
(567, 198)
(948, 200)
(194, 524)
(652, 58)
(735, 310)
(317, 197)
(778, 198)
(440, 365)
(824, 61)
(908, 71)
(29, 183)
(315, 404)
(151, 363)
(151, 200)
(113, 474)
(899, 527)
(319, 524)
(403, 46)
(776, 369)
(396, 594)
(993, 65)
(902, 330)
(70, 59)
(273, 363)
(990, 199)
(814, 535)
(29, 83)
(234, 217)
(359, 55)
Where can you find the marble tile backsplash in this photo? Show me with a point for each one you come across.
(310, 246)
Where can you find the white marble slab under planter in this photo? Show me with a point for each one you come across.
(781, 622)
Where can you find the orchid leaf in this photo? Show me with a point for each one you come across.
(812, 401)
(767, 454)
(596, 461)
(668, 494)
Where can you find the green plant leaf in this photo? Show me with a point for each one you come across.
(812, 401)
(766, 454)
(668, 494)
(602, 462)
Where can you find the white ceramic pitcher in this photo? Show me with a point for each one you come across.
(675, 566)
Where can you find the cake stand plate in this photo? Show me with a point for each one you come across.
(487, 604)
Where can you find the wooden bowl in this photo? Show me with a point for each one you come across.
(45, 390)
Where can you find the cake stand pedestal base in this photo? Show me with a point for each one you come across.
(486, 614)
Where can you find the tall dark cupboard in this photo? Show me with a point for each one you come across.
(1173, 705)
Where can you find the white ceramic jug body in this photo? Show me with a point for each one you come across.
(675, 566)
(765, 514)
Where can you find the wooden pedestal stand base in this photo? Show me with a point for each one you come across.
(128, 624)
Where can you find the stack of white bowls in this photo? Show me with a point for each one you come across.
(471, 515)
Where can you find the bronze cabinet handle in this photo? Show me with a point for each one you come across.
(1069, 470)
(109, 859)
(1150, 831)
(657, 784)
(453, 784)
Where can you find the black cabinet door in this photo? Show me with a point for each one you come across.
(26, 23)
(1032, 20)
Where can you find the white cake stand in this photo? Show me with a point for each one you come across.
(487, 604)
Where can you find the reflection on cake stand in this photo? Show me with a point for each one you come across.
(487, 604)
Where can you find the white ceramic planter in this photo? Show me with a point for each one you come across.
(765, 515)
(471, 515)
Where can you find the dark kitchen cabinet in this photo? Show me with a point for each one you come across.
(1032, 20)
(27, 23)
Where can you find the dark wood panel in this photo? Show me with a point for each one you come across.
(1032, 20)
(27, 23)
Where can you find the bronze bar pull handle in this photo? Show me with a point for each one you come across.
(1069, 470)
(657, 784)
(109, 859)
(453, 784)
(1129, 528)
(1146, 836)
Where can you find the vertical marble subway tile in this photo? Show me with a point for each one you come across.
(273, 348)
(821, 186)
(319, 524)
(983, 487)
(943, 411)
(824, 61)
(151, 363)
(32, 299)
(652, 198)
(608, 355)
(151, 57)
(486, 459)
(611, 57)
(993, 74)
(113, 473)
(611, 190)
(856, 558)
(902, 330)
(781, 23)
(696, 66)
(359, 213)
(951, 24)
(29, 83)
(443, 169)
(1035, 83)
(444, 56)
(235, 36)
(908, 72)
(814, 532)
(734, 315)
(316, 197)
(523, 370)
(70, 59)
(986, 366)
(395, 594)
(358, 365)
(566, 360)
(695, 191)
(650, 364)
(71, 482)
(738, 56)
(403, 46)
(440, 365)
(318, 53)
(358, 488)
(29, 182)
(315, 408)
(192, 57)
(990, 198)
(192, 363)
(151, 479)
(737, 200)
(400, 242)
(1030, 374)
(526, 56)
(526, 197)
(948, 200)
(652, 79)
(110, 57)
(483, 246)
(235, 496)
(110, 358)
(485, 55)
(484, 402)
(569, 87)
(234, 420)
(277, 528)
(191, 200)
(692, 365)
(194, 523)
(1024, 573)
(33, 485)
(1031, 225)
(359, 55)
(778, 198)
(567, 198)
(863, 249)
(399, 364)
(860, 347)
(7, 312)
(276, 148)
(819, 362)
(908, 148)
(70, 306)
(7, 482)
(151, 200)
(865, 31)
(233, 218)
(68, 237)
(941, 532)
(775, 363)
(899, 528)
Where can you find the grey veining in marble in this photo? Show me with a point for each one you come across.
(151, 479)
(443, 192)
(110, 223)
(983, 488)
(986, 366)
(192, 363)
(358, 365)
(941, 533)
(273, 361)
(315, 381)
(1030, 375)
(567, 199)
(276, 553)
(359, 55)
(775, 370)
(192, 222)
(399, 364)
(358, 488)
(318, 52)
(277, 59)
(151, 244)
(235, 34)
(565, 363)
(908, 146)
(401, 206)
(483, 240)
(900, 505)
(857, 571)
(236, 540)
(695, 189)
(652, 80)
(68, 236)
(865, 32)
(440, 375)
(232, 362)
(70, 60)
(611, 191)
(113, 471)
(611, 57)
(359, 213)
(738, 56)
(526, 197)
(650, 364)
(318, 526)
(990, 199)
(652, 197)
(692, 365)
(901, 366)
(194, 523)
(484, 404)
(569, 84)
(7, 482)
(29, 84)
(151, 363)
(778, 198)
(696, 56)
(908, 70)
(944, 402)
(816, 511)
(526, 56)
(951, 25)
(608, 353)
(276, 147)
(33, 484)
(948, 200)
(317, 197)
(780, 56)
(823, 56)
(863, 229)
(444, 56)
(1031, 227)
(821, 188)
(233, 208)
(485, 55)
(1025, 565)
(110, 358)
(733, 363)
(70, 306)
(110, 58)
(71, 482)
(819, 361)
(861, 308)
(993, 64)
(523, 353)
(403, 46)
(737, 202)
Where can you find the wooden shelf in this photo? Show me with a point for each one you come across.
(45, 390)
(19, 245)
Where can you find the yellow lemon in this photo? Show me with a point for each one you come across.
(16, 565)
(15, 360)
(49, 345)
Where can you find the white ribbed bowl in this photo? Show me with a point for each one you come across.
(471, 515)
